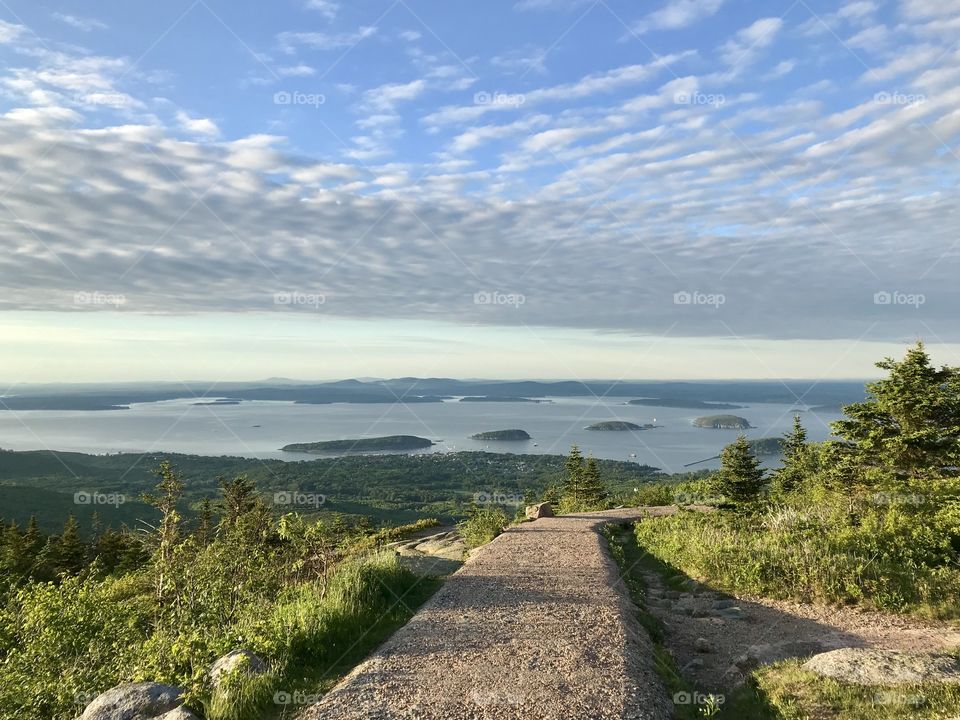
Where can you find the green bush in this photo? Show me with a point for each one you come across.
(68, 643)
(482, 525)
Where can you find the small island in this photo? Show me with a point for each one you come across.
(681, 403)
(501, 398)
(617, 426)
(766, 447)
(502, 435)
(389, 442)
(723, 422)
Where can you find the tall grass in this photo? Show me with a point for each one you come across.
(68, 643)
(886, 557)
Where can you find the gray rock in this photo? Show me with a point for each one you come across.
(181, 713)
(769, 653)
(233, 661)
(540, 510)
(702, 645)
(732, 613)
(722, 604)
(864, 666)
(139, 701)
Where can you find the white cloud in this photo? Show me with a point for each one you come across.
(197, 126)
(744, 47)
(10, 32)
(327, 8)
(677, 14)
(80, 23)
(290, 42)
(296, 71)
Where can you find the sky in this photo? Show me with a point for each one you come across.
(225, 189)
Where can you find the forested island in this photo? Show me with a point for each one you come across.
(723, 422)
(617, 426)
(388, 442)
(684, 403)
(502, 435)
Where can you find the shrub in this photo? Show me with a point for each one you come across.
(482, 525)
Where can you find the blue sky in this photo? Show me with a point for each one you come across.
(760, 182)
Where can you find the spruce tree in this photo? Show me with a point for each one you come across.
(572, 491)
(239, 497)
(740, 477)
(70, 550)
(795, 459)
(592, 487)
(909, 425)
(33, 542)
(167, 535)
(204, 532)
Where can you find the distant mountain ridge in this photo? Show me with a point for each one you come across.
(421, 390)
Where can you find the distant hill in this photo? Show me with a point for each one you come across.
(684, 403)
(388, 442)
(502, 435)
(497, 398)
(419, 390)
(723, 422)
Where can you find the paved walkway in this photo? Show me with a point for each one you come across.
(535, 626)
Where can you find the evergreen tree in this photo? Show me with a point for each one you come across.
(572, 490)
(204, 532)
(110, 549)
(70, 552)
(33, 542)
(740, 477)
(795, 459)
(592, 487)
(14, 559)
(238, 498)
(909, 424)
(168, 532)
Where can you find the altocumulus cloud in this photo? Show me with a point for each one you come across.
(635, 212)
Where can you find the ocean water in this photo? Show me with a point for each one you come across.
(259, 429)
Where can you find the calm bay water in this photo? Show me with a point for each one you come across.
(259, 429)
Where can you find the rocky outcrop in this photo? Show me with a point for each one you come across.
(540, 510)
(139, 701)
(865, 666)
(236, 661)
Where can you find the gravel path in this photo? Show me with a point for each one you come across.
(716, 649)
(536, 625)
